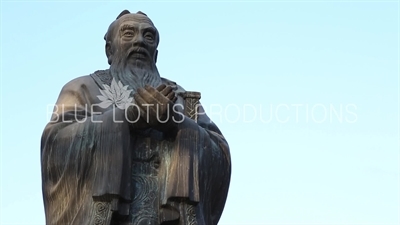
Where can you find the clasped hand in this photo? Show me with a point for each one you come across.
(154, 106)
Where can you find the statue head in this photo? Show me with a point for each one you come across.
(131, 49)
(132, 40)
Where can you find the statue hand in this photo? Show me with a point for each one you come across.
(155, 105)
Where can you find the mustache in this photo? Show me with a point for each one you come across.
(138, 52)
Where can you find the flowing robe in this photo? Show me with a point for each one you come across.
(99, 171)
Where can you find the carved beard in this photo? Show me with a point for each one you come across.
(135, 74)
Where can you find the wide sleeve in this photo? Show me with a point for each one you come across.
(199, 168)
(83, 155)
(216, 161)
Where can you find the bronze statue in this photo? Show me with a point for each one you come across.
(127, 147)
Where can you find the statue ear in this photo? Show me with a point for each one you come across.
(109, 52)
(155, 56)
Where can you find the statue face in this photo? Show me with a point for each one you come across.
(135, 40)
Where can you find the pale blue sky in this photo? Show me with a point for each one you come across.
(334, 159)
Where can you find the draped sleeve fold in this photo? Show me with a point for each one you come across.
(83, 154)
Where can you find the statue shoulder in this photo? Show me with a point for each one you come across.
(174, 85)
(80, 83)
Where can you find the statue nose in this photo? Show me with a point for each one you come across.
(138, 39)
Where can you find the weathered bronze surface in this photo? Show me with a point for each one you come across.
(125, 146)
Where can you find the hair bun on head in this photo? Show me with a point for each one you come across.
(123, 13)
(142, 13)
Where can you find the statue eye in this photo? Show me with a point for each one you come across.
(149, 37)
(128, 33)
